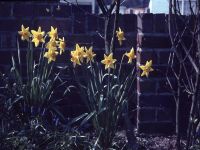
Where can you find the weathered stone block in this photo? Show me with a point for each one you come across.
(5, 9)
(145, 23)
(166, 101)
(79, 24)
(147, 114)
(62, 11)
(159, 23)
(159, 127)
(130, 22)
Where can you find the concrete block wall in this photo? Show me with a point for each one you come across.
(148, 32)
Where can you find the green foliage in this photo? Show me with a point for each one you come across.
(19, 130)
(106, 95)
(38, 86)
(35, 136)
(35, 84)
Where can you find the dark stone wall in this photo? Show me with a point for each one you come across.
(147, 31)
(156, 106)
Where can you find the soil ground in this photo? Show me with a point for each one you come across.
(153, 142)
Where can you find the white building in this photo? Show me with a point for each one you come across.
(159, 6)
(162, 6)
(184, 6)
(122, 9)
(82, 2)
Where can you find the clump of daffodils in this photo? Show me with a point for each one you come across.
(80, 53)
(54, 45)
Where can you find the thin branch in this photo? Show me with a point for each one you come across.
(102, 7)
(112, 46)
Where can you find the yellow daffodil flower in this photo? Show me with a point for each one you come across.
(120, 36)
(25, 34)
(89, 54)
(146, 68)
(51, 55)
(38, 36)
(51, 44)
(108, 61)
(79, 53)
(53, 34)
(62, 45)
(74, 59)
(131, 55)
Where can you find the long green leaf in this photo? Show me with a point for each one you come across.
(77, 118)
(89, 116)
